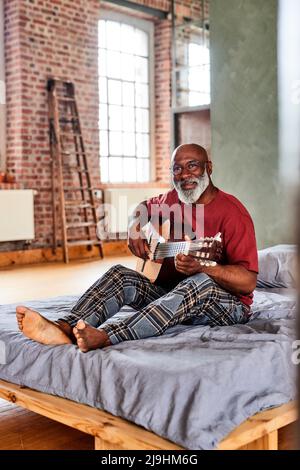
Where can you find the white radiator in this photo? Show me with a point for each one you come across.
(16, 214)
(122, 203)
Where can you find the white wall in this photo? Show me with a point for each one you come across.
(244, 113)
(2, 91)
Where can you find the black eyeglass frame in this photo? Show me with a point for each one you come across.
(196, 164)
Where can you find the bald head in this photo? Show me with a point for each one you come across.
(189, 152)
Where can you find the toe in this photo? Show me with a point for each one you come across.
(21, 310)
(81, 345)
(80, 325)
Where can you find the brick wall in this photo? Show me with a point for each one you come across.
(59, 38)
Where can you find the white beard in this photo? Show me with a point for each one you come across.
(190, 196)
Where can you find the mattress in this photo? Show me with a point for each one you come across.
(192, 385)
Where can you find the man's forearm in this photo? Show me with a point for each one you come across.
(235, 279)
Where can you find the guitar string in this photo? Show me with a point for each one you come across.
(165, 250)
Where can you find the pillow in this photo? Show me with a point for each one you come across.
(277, 266)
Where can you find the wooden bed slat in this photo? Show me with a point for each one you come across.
(108, 429)
(114, 433)
(260, 425)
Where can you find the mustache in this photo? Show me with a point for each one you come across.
(189, 181)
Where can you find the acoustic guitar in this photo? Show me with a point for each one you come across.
(206, 250)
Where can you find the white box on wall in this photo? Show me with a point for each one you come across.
(123, 201)
(16, 214)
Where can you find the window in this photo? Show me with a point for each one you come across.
(192, 64)
(125, 98)
(199, 74)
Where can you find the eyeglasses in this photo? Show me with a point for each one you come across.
(192, 167)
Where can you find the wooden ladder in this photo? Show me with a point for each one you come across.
(71, 182)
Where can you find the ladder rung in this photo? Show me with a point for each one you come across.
(68, 121)
(79, 205)
(80, 188)
(81, 224)
(77, 168)
(63, 98)
(63, 152)
(84, 242)
(70, 134)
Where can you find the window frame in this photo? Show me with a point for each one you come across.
(148, 27)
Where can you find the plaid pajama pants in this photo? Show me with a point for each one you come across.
(196, 300)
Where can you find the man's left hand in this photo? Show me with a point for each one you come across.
(187, 265)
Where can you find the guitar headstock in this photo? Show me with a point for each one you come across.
(207, 250)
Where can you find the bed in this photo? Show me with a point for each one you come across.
(195, 387)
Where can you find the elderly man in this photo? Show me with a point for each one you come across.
(185, 291)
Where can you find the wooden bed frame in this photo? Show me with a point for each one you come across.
(260, 432)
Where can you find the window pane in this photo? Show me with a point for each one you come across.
(129, 144)
(113, 35)
(198, 54)
(103, 144)
(102, 33)
(129, 169)
(141, 42)
(142, 145)
(103, 119)
(113, 64)
(103, 90)
(115, 144)
(115, 118)
(141, 69)
(142, 120)
(143, 170)
(102, 69)
(205, 79)
(128, 119)
(115, 169)
(114, 92)
(128, 93)
(104, 169)
(142, 95)
(127, 38)
(195, 99)
(128, 62)
(195, 79)
(194, 54)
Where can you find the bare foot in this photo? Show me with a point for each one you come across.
(89, 337)
(38, 328)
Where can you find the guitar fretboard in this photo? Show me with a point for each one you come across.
(171, 249)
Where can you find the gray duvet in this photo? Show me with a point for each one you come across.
(193, 385)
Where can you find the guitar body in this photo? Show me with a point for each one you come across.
(150, 268)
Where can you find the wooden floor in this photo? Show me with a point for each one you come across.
(23, 430)
(49, 280)
(19, 428)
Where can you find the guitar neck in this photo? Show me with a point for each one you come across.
(171, 249)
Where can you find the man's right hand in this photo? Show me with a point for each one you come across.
(136, 243)
(139, 247)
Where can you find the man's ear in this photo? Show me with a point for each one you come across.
(209, 167)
